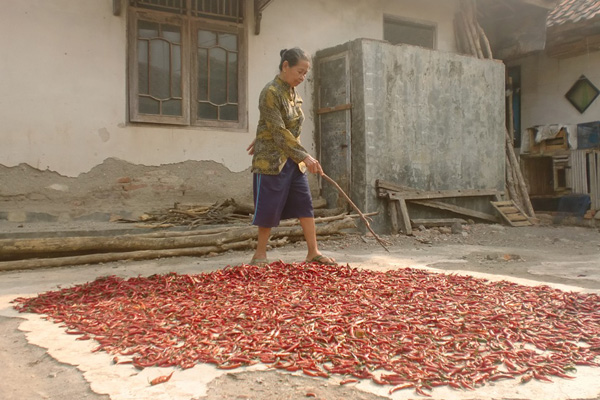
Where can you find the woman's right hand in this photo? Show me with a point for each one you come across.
(250, 148)
(313, 165)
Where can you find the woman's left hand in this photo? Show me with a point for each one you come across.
(313, 165)
(250, 148)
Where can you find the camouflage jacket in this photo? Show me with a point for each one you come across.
(279, 127)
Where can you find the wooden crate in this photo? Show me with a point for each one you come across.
(548, 146)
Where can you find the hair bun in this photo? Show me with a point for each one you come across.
(282, 52)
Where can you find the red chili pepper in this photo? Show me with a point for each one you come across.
(541, 377)
(400, 387)
(415, 326)
(161, 379)
(229, 366)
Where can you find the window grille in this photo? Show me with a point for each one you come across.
(223, 10)
(170, 6)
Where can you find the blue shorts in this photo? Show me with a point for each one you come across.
(281, 196)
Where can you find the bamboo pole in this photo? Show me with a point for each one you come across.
(460, 36)
(486, 43)
(470, 21)
(467, 31)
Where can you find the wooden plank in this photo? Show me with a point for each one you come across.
(394, 215)
(594, 168)
(405, 225)
(516, 217)
(434, 222)
(597, 195)
(442, 194)
(381, 184)
(579, 171)
(504, 203)
(456, 209)
(410, 194)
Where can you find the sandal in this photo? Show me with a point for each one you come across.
(259, 262)
(322, 260)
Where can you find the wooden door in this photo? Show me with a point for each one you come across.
(334, 125)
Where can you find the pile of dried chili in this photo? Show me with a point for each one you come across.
(407, 328)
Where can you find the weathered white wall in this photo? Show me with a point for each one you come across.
(64, 91)
(544, 83)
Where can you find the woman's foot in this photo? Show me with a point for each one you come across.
(321, 259)
(260, 260)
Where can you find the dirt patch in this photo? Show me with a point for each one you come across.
(271, 385)
(29, 373)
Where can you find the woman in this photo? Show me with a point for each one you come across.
(279, 161)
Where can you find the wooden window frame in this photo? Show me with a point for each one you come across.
(241, 79)
(189, 26)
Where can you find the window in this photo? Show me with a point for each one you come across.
(187, 63)
(398, 31)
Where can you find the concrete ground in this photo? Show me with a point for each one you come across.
(40, 361)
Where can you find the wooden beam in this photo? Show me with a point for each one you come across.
(259, 7)
(116, 7)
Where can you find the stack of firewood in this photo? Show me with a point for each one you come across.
(222, 212)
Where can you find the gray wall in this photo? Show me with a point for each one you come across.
(425, 119)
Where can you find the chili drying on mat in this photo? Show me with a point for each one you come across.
(407, 328)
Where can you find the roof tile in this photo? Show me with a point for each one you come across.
(574, 11)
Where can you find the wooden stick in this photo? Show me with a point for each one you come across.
(362, 216)
(510, 181)
(509, 110)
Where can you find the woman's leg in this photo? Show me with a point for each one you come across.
(310, 235)
(261, 246)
